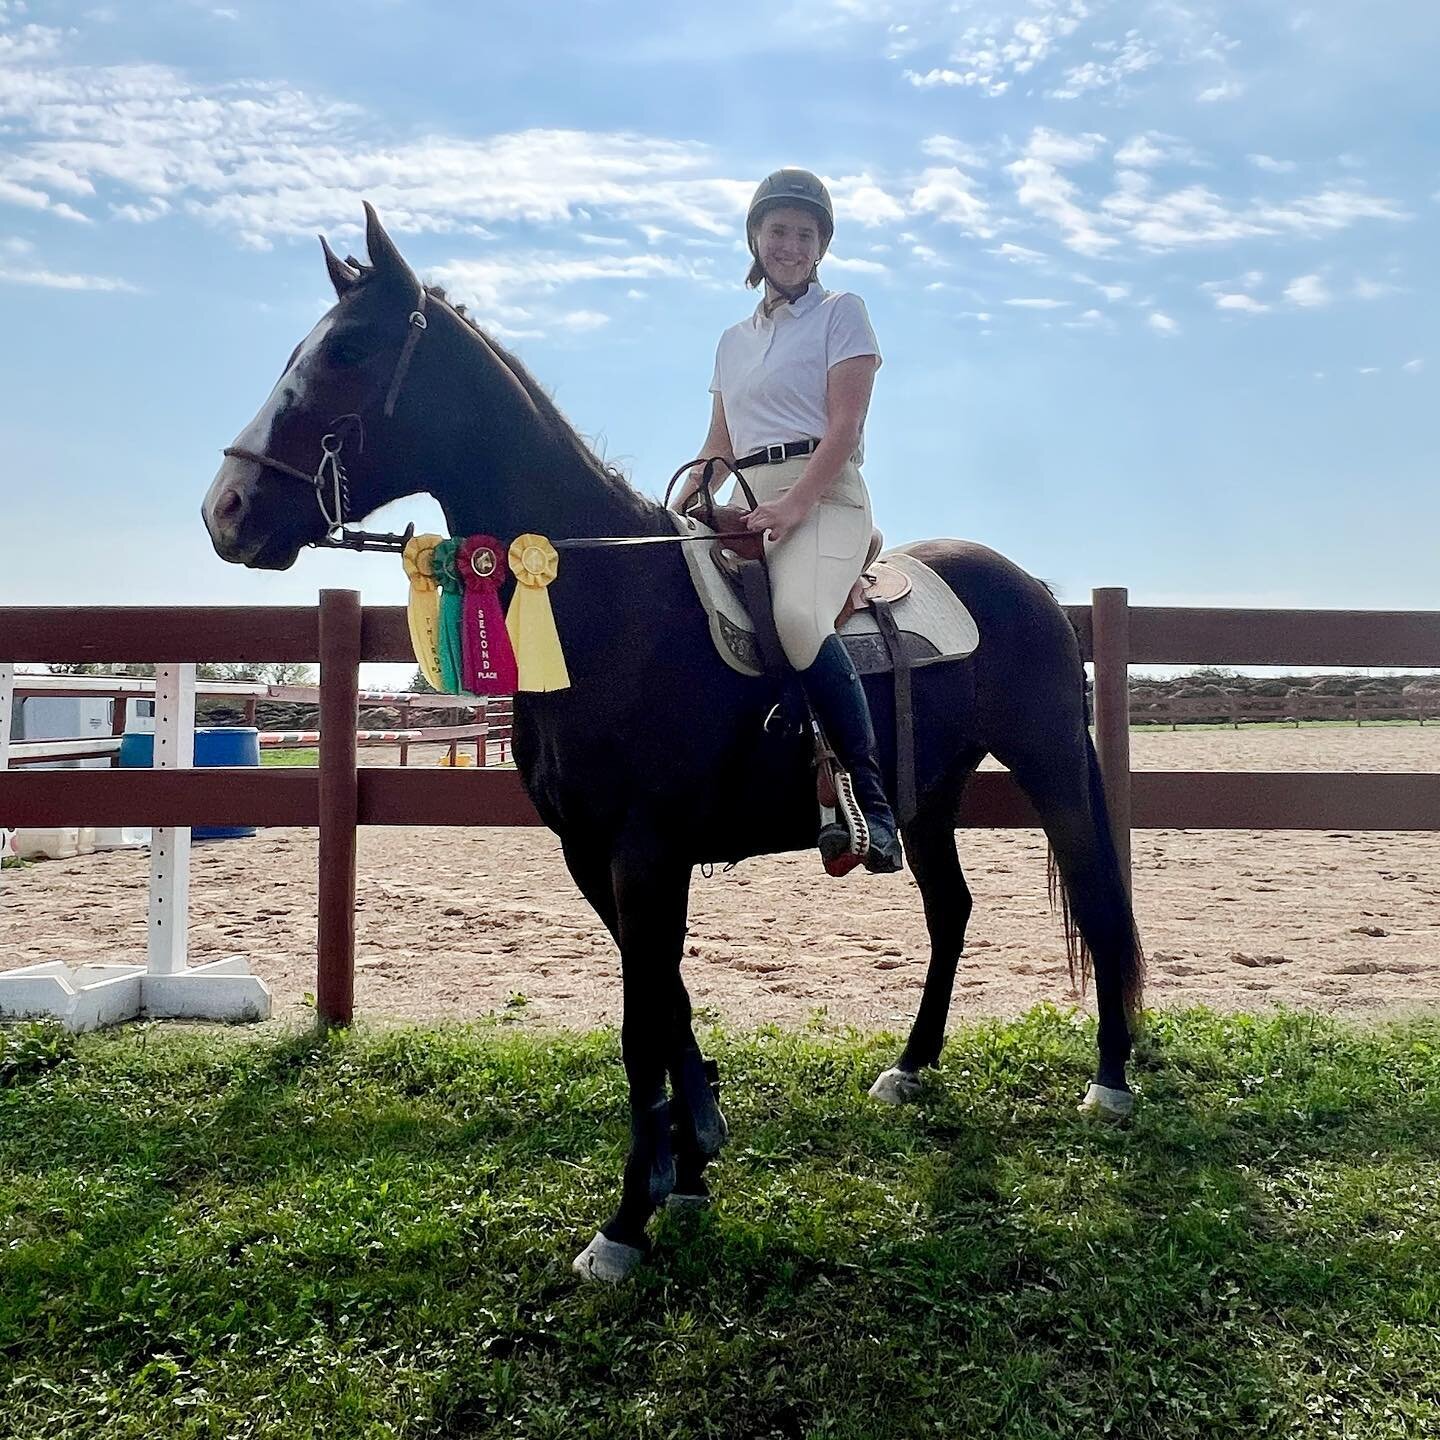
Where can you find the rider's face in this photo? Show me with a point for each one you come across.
(789, 244)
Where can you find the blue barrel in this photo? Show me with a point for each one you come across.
(214, 745)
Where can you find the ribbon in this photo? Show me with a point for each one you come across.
(531, 621)
(422, 610)
(452, 662)
(488, 661)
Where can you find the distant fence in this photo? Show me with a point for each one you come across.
(1238, 709)
(337, 795)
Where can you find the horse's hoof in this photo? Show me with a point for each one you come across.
(678, 1200)
(1107, 1103)
(607, 1261)
(896, 1087)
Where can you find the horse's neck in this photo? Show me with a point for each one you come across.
(507, 471)
(503, 470)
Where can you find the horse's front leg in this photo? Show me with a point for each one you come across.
(652, 894)
(699, 1127)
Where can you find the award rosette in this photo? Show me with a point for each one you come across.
(531, 622)
(452, 595)
(422, 610)
(488, 665)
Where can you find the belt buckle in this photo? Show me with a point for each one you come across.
(774, 454)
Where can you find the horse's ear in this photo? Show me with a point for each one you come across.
(342, 277)
(383, 255)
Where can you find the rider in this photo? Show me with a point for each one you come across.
(791, 387)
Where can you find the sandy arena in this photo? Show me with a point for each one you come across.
(459, 923)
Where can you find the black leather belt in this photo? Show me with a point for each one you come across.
(774, 454)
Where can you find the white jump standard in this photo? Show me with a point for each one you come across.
(86, 997)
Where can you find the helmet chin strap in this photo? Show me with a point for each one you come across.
(790, 293)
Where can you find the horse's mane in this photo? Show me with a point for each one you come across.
(614, 479)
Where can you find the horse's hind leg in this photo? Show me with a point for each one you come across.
(935, 863)
(1065, 788)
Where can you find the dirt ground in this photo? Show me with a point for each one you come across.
(459, 923)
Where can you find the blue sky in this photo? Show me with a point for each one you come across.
(1154, 281)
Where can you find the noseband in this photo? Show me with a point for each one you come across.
(329, 480)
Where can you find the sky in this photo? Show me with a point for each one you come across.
(1154, 282)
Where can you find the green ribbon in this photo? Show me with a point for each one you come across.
(452, 599)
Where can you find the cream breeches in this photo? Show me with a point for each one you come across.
(814, 566)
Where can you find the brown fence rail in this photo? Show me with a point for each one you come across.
(337, 796)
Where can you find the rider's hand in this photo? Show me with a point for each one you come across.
(779, 517)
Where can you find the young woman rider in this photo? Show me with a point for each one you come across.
(791, 387)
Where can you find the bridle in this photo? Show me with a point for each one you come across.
(332, 493)
(329, 480)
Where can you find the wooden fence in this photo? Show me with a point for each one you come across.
(337, 795)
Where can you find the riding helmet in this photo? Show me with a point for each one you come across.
(792, 186)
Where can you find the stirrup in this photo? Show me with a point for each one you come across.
(844, 842)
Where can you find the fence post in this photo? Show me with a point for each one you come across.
(339, 803)
(1110, 629)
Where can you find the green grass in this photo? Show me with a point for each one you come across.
(208, 1233)
(289, 757)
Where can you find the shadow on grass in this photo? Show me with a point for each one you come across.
(369, 1231)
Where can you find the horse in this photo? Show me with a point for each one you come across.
(657, 758)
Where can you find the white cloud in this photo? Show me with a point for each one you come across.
(1040, 187)
(1413, 367)
(943, 147)
(949, 195)
(1373, 289)
(1019, 254)
(1039, 304)
(1270, 165)
(1128, 57)
(1367, 369)
(992, 53)
(1308, 291)
(858, 267)
(1232, 300)
(582, 320)
(1162, 324)
(1226, 90)
(859, 198)
(54, 280)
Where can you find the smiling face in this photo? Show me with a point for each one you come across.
(788, 242)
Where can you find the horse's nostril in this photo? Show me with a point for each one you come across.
(229, 505)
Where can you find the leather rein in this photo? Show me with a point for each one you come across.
(332, 491)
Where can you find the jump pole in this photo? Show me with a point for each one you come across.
(7, 699)
(1110, 641)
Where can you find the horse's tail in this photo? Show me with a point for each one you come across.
(1130, 955)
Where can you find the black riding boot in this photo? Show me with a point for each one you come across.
(839, 701)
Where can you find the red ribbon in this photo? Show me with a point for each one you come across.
(488, 659)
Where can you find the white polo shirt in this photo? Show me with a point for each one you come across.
(771, 370)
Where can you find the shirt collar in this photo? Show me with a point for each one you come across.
(806, 303)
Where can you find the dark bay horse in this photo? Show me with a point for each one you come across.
(655, 760)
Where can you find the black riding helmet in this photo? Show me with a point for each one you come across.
(792, 186)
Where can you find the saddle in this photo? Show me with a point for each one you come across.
(731, 580)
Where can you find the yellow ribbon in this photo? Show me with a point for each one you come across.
(531, 621)
(423, 608)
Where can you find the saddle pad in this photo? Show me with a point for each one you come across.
(934, 625)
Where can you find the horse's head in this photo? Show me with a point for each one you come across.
(276, 490)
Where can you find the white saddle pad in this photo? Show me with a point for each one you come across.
(934, 625)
